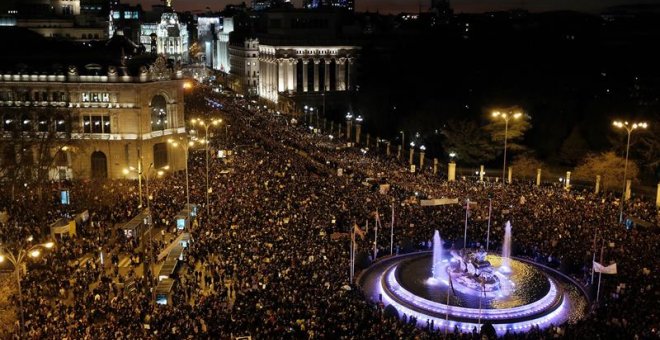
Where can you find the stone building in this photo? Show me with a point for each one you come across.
(304, 58)
(168, 37)
(244, 63)
(98, 118)
(305, 69)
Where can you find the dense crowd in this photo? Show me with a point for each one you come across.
(270, 259)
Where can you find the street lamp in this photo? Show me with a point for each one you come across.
(185, 144)
(358, 128)
(349, 123)
(146, 176)
(18, 260)
(207, 125)
(629, 128)
(412, 151)
(506, 116)
(403, 137)
(139, 172)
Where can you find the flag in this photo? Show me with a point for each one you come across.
(451, 284)
(358, 231)
(599, 268)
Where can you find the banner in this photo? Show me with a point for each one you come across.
(358, 231)
(439, 201)
(599, 268)
(384, 188)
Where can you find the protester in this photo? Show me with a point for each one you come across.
(270, 260)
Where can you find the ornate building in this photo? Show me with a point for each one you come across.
(94, 119)
(303, 57)
(168, 37)
(305, 69)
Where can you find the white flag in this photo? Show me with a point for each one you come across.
(599, 268)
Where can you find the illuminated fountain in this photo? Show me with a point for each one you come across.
(437, 256)
(506, 249)
(470, 287)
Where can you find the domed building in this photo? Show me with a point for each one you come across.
(168, 37)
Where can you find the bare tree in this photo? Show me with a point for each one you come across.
(609, 166)
(526, 165)
(33, 141)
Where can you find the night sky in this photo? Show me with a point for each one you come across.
(396, 6)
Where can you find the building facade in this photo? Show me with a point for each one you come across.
(244, 64)
(168, 37)
(102, 118)
(293, 70)
(68, 19)
(345, 4)
(207, 36)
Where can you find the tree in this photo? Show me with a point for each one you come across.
(648, 146)
(469, 142)
(525, 165)
(609, 166)
(514, 133)
(573, 148)
(37, 143)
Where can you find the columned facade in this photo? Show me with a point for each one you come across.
(305, 68)
(331, 70)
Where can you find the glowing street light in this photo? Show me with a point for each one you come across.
(18, 260)
(185, 145)
(207, 125)
(349, 125)
(629, 129)
(506, 116)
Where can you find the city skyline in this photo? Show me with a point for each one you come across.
(397, 6)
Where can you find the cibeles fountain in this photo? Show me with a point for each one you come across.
(467, 288)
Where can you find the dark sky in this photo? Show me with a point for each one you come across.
(396, 6)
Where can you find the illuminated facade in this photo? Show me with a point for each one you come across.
(103, 116)
(169, 37)
(67, 19)
(244, 64)
(346, 4)
(305, 69)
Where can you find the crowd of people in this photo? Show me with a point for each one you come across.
(270, 254)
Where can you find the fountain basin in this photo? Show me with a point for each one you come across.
(532, 295)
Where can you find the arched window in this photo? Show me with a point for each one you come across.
(159, 114)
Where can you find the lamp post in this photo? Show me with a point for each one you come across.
(506, 116)
(146, 175)
(206, 126)
(358, 129)
(629, 129)
(412, 152)
(349, 123)
(403, 137)
(451, 167)
(17, 260)
(422, 151)
(185, 144)
(138, 171)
